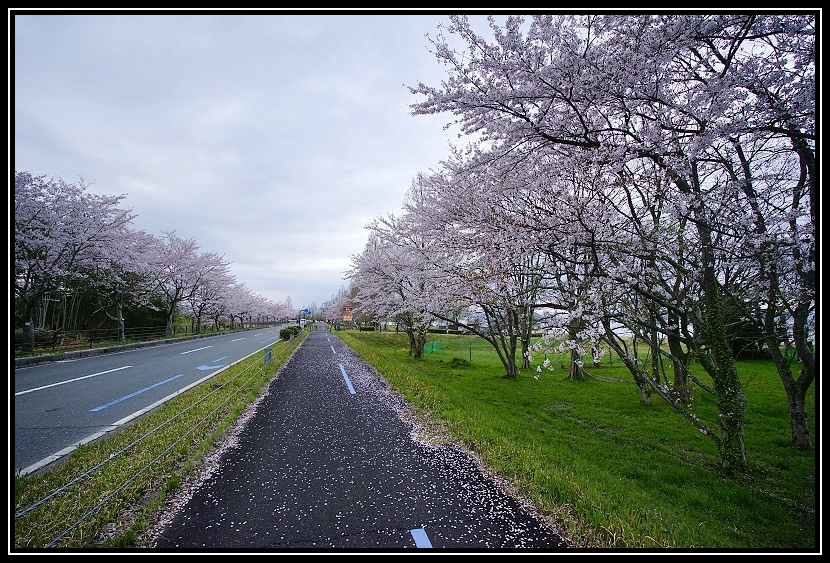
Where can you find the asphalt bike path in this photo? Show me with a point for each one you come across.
(329, 461)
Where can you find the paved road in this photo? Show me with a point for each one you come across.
(329, 462)
(59, 405)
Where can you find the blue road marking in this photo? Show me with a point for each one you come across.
(346, 377)
(420, 537)
(205, 368)
(139, 392)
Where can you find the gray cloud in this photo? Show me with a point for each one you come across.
(270, 139)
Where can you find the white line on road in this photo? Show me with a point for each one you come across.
(197, 349)
(69, 380)
(333, 350)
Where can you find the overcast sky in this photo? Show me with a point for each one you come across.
(270, 139)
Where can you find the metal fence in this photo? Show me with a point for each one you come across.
(63, 341)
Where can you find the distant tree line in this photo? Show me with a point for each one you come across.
(78, 264)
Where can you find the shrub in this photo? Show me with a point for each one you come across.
(287, 332)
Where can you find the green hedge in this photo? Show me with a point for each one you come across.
(287, 332)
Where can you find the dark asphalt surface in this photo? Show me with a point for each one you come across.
(318, 468)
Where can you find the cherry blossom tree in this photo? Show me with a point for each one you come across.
(630, 91)
(122, 273)
(391, 281)
(214, 281)
(333, 308)
(179, 273)
(242, 303)
(469, 258)
(283, 309)
(67, 240)
(219, 309)
(59, 229)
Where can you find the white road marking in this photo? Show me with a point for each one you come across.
(69, 380)
(197, 349)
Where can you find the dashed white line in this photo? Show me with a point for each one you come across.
(197, 349)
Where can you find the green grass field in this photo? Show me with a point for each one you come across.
(610, 472)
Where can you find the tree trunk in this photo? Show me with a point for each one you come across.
(720, 361)
(796, 394)
(680, 362)
(28, 334)
(507, 355)
(416, 349)
(417, 340)
(577, 370)
(119, 313)
(729, 392)
(639, 376)
(28, 326)
(525, 349)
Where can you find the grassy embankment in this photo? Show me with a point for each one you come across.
(611, 472)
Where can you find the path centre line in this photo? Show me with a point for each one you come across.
(346, 377)
(333, 350)
(420, 537)
(69, 380)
